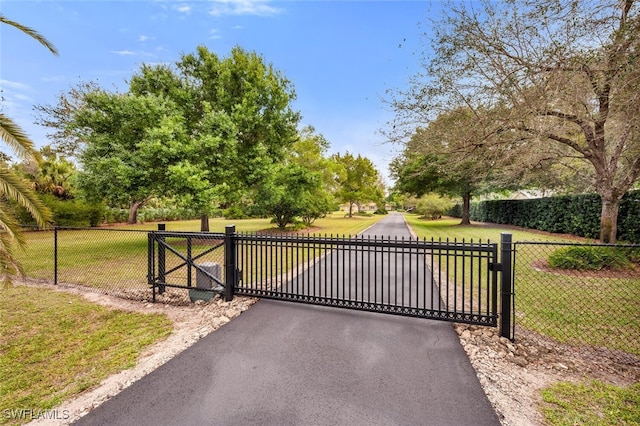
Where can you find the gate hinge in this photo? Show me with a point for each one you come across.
(495, 267)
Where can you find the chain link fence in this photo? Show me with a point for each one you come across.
(105, 260)
(584, 296)
(596, 310)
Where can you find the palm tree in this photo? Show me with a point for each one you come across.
(12, 187)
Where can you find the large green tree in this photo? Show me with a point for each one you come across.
(458, 154)
(12, 187)
(118, 159)
(357, 180)
(292, 191)
(254, 97)
(563, 73)
(205, 131)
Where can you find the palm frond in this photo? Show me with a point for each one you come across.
(30, 32)
(15, 188)
(9, 266)
(16, 138)
(9, 226)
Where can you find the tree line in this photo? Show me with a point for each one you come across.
(208, 133)
(525, 94)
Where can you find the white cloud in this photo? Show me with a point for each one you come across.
(215, 34)
(183, 8)
(144, 38)
(22, 97)
(123, 52)
(54, 79)
(243, 7)
(14, 85)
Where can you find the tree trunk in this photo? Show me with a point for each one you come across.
(133, 212)
(204, 223)
(350, 209)
(609, 220)
(466, 207)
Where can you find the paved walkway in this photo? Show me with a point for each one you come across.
(283, 363)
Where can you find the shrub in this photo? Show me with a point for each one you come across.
(234, 212)
(432, 206)
(592, 258)
(72, 213)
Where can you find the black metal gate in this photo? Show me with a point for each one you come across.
(451, 281)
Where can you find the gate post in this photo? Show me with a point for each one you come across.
(506, 286)
(230, 261)
(162, 266)
(151, 263)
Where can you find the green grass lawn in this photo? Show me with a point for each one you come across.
(577, 308)
(55, 345)
(115, 257)
(593, 403)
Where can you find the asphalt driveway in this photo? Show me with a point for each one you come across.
(281, 363)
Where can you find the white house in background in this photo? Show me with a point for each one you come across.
(364, 207)
(529, 194)
(523, 194)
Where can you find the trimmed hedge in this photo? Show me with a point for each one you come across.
(568, 214)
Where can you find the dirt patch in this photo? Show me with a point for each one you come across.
(512, 374)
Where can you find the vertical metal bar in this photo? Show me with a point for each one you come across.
(150, 264)
(230, 262)
(316, 279)
(281, 267)
(506, 285)
(358, 251)
(162, 266)
(243, 259)
(493, 308)
(375, 271)
(388, 270)
(369, 268)
(55, 255)
(395, 274)
(325, 254)
(344, 278)
(349, 248)
(189, 261)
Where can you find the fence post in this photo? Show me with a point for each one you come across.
(55, 255)
(506, 287)
(151, 263)
(162, 267)
(229, 262)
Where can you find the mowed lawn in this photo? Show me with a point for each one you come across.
(578, 309)
(573, 308)
(54, 345)
(115, 257)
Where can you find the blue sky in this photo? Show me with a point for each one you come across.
(342, 56)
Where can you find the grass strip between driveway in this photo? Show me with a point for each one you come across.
(55, 345)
